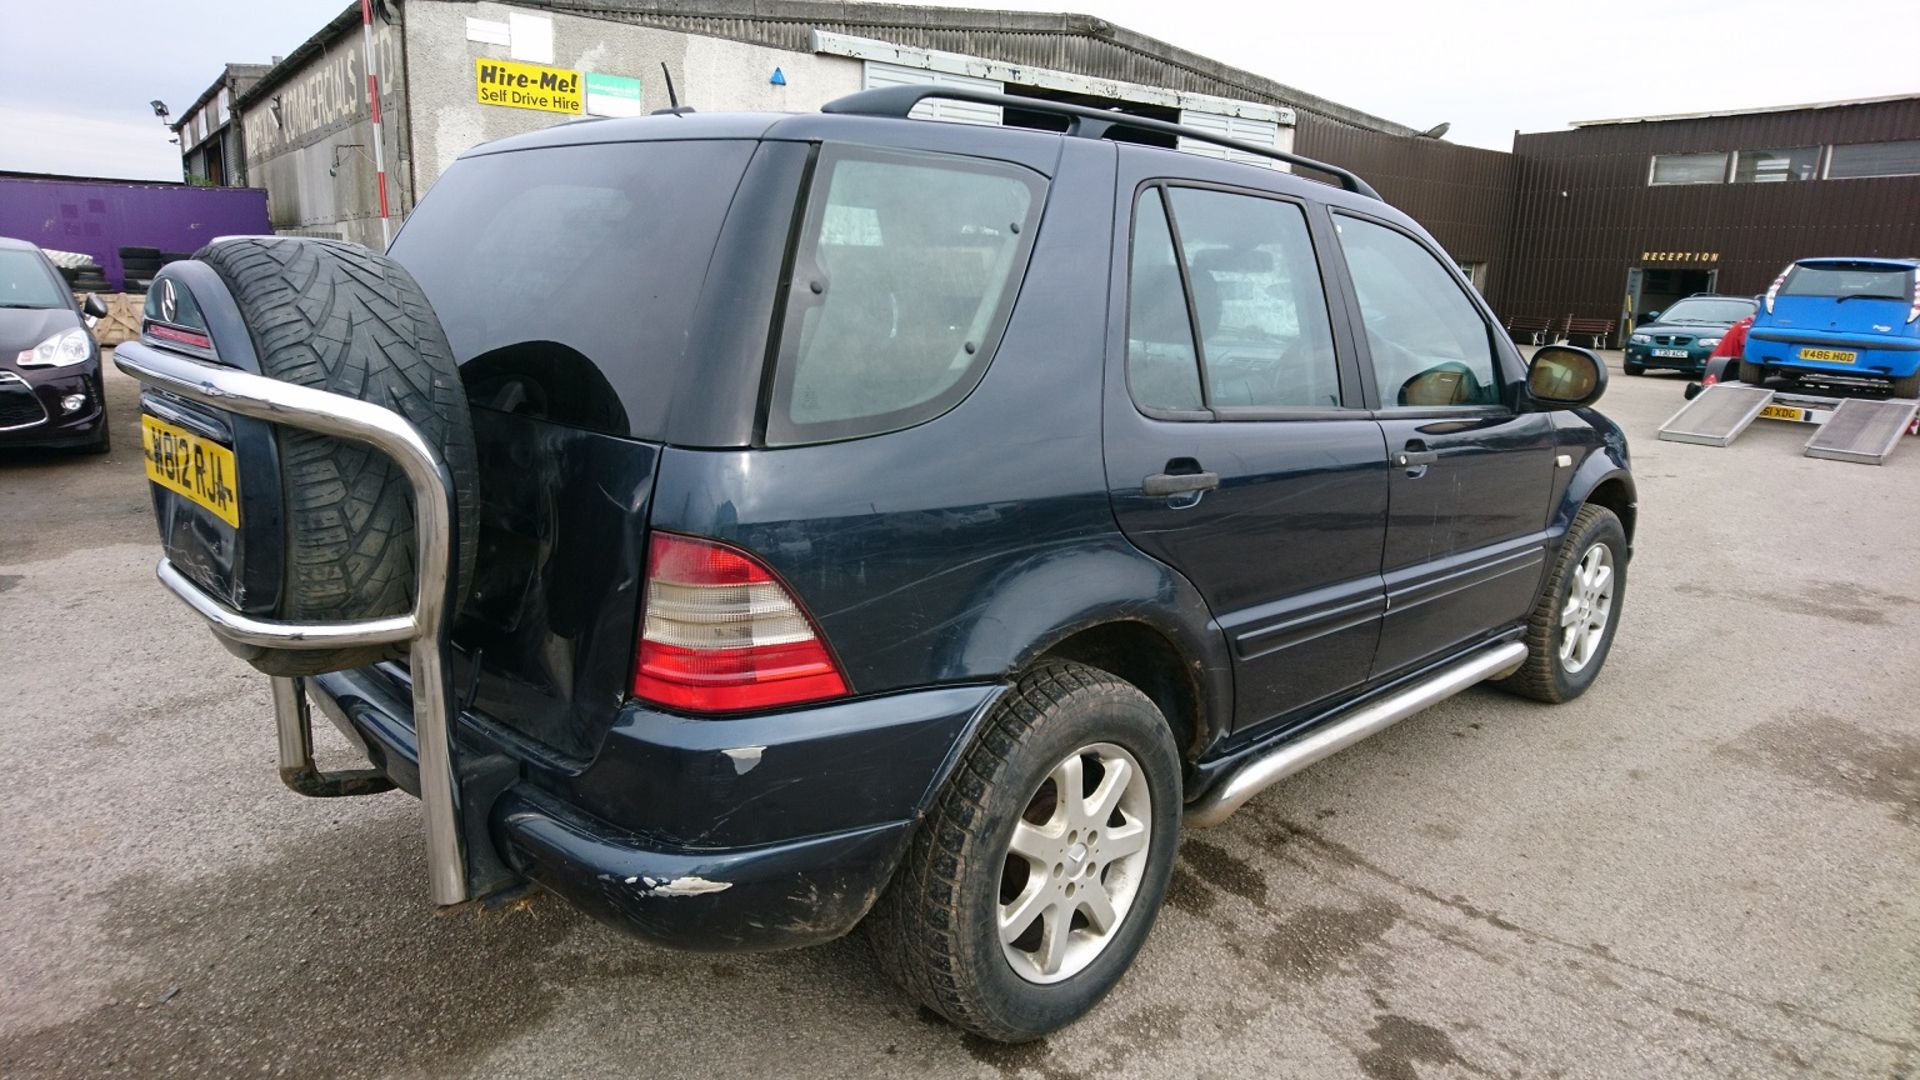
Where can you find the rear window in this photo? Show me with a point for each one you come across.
(1849, 279)
(574, 272)
(903, 274)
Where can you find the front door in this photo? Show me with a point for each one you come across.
(1237, 447)
(1471, 479)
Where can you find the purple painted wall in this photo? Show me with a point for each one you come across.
(100, 217)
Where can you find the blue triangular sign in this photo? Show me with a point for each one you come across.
(779, 78)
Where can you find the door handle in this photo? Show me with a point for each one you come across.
(1407, 459)
(1162, 484)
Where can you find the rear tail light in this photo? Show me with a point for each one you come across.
(1773, 290)
(1914, 311)
(723, 634)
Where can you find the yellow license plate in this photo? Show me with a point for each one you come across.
(198, 468)
(1829, 356)
(1782, 412)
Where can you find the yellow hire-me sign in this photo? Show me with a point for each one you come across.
(527, 86)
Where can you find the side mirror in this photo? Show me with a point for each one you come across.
(94, 307)
(1651, 316)
(1565, 377)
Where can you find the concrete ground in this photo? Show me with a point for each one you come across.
(1707, 866)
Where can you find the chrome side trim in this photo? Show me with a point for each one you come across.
(424, 628)
(8, 376)
(1256, 775)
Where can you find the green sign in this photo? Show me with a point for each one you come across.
(612, 95)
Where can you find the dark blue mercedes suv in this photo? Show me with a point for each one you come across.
(855, 520)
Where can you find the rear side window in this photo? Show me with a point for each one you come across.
(1429, 344)
(905, 269)
(1849, 279)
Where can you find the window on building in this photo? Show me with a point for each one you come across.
(1475, 273)
(1689, 169)
(1768, 166)
(1854, 160)
(222, 106)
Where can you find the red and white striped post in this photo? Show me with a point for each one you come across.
(379, 143)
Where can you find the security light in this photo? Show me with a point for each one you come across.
(159, 108)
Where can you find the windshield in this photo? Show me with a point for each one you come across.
(1876, 280)
(1707, 311)
(25, 282)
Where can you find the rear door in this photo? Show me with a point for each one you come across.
(1236, 447)
(1471, 479)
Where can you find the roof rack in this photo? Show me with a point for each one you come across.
(1083, 122)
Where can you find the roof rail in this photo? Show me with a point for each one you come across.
(1083, 122)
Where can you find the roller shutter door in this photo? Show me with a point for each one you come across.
(961, 112)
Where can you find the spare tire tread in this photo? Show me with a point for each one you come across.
(341, 318)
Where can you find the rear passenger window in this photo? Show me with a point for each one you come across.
(902, 279)
(1265, 338)
(1163, 371)
(1429, 344)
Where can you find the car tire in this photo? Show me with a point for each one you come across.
(1752, 374)
(341, 318)
(1555, 670)
(1908, 386)
(937, 928)
(1633, 368)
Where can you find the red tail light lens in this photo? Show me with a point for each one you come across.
(1773, 290)
(723, 634)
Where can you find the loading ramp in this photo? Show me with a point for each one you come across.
(1863, 431)
(1857, 429)
(1718, 415)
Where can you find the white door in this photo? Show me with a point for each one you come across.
(959, 112)
(1239, 128)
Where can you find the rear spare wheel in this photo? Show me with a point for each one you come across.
(341, 318)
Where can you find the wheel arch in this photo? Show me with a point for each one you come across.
(1113, 607)
(1142, 655)
(1616, 492)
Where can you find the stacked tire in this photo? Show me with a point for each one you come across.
(138, 266)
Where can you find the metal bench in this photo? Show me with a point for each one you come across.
(1598, 331)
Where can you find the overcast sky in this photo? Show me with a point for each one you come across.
(78, 73)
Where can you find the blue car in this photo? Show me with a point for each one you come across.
(1858, 318)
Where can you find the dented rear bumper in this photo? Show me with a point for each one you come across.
(759, 832)
(798, 893)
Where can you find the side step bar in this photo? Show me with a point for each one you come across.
(1259, 773)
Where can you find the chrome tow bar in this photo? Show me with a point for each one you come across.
(423, 629)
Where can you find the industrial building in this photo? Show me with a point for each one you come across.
(1603, 221)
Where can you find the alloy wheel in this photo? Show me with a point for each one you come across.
(1583, 618)
(1074, 864)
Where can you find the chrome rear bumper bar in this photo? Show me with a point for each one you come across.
(423, 629)
(1264, 770)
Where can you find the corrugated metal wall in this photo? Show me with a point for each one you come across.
(1584, 213)
(1075, 43)
(1463, 195)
